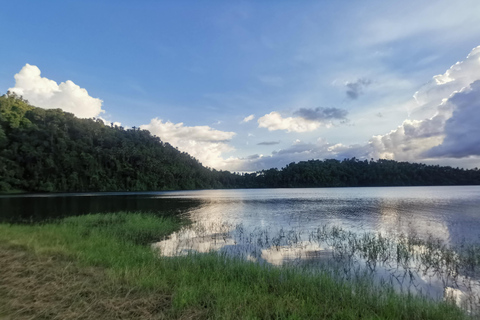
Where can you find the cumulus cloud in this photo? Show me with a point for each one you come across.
(452, 101)
(409, 141)
(47, 94)
(462, 129)
(305, 119)
(355, 89)
(274, 121)
(249, 118)
(322, 114)
(413, 138)
(458, 76)
(202, 142)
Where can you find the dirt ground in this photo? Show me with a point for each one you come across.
(54, 287)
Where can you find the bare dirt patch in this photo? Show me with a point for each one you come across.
(55, 287)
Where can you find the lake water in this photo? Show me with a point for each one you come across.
(294, 226)
(450, 213)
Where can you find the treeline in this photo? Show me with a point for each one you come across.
(53, 151)
(357, 173)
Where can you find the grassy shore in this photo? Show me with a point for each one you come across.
(101, 266)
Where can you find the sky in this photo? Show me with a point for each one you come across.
(250, 85)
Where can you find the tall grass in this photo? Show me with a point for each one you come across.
(408, 263)
(215, 285)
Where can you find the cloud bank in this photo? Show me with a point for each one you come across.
(441, 87)
(47, 94)
(274, 121)
(451, 102)
(305, 120)
(462, 129)
(202, 142)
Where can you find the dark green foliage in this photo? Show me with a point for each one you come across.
(53, 151)
(357, 173)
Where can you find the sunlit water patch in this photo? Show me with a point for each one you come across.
(418, 240)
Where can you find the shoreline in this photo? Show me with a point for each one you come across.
(23, 193)
(109, 258)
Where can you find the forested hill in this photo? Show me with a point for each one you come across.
(53, 151)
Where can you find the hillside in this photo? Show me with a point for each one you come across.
(53, 151)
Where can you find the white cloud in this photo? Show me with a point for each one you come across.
(409, 141)
(458, 76)
(306, 119)
(452, 101)
(202, 142)
(47, 94)
(462, 129)
(249, 118)
(274, 121)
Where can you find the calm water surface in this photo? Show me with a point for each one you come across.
(450, 213)
(276, 225)
(283, 226)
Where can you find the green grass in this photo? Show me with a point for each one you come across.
(213, 285)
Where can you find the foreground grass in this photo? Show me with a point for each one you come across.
(108, 257)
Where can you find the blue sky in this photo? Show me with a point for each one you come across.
(249, 85)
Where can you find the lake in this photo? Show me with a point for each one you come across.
(327, 226)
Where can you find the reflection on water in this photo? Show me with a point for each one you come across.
(449, 213)
(39, 207)
(276, 226)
